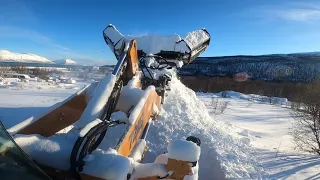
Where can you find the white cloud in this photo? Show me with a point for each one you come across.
(29, 34)
(293, 11)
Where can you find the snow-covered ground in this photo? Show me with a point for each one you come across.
(250, 140)
(266, 127)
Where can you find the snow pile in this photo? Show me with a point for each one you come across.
(183, 150)
(8, 56)
(194, 38)
(65, 61)
(183, 115)
(107, 165)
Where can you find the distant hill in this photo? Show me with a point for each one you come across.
(297, 67)
(65, 62)
(7, 56)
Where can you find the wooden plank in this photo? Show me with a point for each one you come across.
(61, 117)
(135, 131)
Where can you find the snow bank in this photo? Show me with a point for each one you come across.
(8, 56)
(183, 115)
(183, 150)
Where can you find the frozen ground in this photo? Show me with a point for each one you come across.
(250, 140)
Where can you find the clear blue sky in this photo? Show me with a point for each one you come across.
(73, 29)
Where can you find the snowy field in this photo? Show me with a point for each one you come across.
(266, 128)
(249, 140)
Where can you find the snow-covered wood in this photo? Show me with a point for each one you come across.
(183, 150)
(98, 101)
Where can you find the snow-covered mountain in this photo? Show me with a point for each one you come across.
(7, 56)
(65, 61)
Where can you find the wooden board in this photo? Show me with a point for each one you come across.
(132, 136)
(180, 169)
(61, 117)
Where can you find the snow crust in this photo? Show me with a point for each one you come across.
(8, 56)
(98, 100)
(183, 150)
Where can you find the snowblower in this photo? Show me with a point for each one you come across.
(100, 131)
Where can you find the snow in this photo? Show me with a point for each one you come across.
(96, 105)
(7, 56)
(149, 170)
(130, 94)
(89, 126)
(266, 127)
(138, 108)
(34, 117)
(183, 115)
(137, 152)
(47, 150)
(250, 140)
(194, 38)
(111, 165)
(183, 150)
(120, 116)
(153, 44)
(65, 61)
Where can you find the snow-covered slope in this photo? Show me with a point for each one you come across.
(65, 61)
(7, 56)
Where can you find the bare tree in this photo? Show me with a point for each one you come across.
(306, 131)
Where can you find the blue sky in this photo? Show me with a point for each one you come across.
(60, 29)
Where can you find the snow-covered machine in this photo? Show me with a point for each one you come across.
(100, 132)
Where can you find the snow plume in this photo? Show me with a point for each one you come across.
(183, 115)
